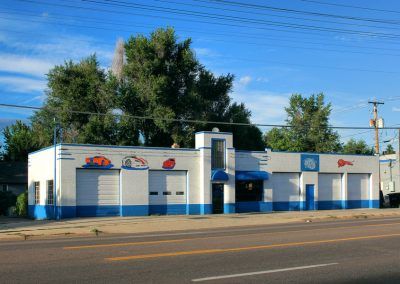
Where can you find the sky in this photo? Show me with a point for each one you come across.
(347, 50)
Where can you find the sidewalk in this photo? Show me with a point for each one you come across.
(21, 229)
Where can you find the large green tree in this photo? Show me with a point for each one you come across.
(75, 90)
(163, 79)
(309, 130)
(19, 141)
(357, 147)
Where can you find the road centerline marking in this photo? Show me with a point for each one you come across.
(262, 272)
(212, 237)
(237, 249)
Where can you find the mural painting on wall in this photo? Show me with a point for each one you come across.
(169, 164)
(309, 163)
(342, 163)
(134, 163)
(97, 162)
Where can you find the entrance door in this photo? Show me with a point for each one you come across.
(310, 197)
(217, 198)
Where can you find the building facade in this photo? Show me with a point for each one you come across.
(390, 179)
(96, 180)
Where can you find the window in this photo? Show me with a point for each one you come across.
(218, 154)
(249, 190)
(153, 193)
(50, 195)
(166, 193)
(180, 193)
(37, 192)
(5, 187)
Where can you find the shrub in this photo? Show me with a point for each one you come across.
(22, 204)
(7, 199)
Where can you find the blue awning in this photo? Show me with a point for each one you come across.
(251, 175)
(219, 175)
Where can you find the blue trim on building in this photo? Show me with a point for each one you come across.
(287, 205)
(387, 161)
(229, 208)
(253, 206)
(170, 209)
(352, 204)
(330, 204)
(41, 212)
(97, 210)
(134, 210)
(251, 175)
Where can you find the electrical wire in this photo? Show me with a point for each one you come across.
(181, 120)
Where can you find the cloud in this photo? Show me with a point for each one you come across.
(205, 52)
(21, 84)
(262, 80)
(266, 107)
(24, 65)
(244, 81)
(396, 109)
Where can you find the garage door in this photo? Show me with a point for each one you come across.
(97, 192)
(286, 191)
(329, 191)
(358, 190)
(167, 192)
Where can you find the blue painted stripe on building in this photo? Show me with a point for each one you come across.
(286, 205)
(330, 205)
(253, 206)
(97, 210)
(318, 153)
(229, 208)
(41, 212)
(352, 204)
(170, 209)
(134, 210)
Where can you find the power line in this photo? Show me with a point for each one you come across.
(123, 4)
(240, 42)
(192, 20)
(116, 3)
(182, 120)
(286, 10)
(266, 14)
(351, 6)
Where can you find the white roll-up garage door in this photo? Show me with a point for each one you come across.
(167, 192)
(286, 191)
(329, 191)
(358, 190)
(97, 192)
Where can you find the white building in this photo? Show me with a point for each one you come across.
(390, 179)
(96, 180)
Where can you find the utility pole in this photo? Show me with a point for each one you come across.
(374, 123)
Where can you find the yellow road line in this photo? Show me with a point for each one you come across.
(210, 251)
(212, 237)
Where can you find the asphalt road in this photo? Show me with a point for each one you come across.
(364, 251)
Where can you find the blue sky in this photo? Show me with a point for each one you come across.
(272, 49)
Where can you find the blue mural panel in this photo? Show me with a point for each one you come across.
(309, 163)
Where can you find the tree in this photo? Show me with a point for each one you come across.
(74, 91)
(357, 147)
(309, 131)
(389, 150)
(19, 141)
(163, 79)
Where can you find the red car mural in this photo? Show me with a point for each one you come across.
(342, 163)
(97, 162)
(169, 164)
